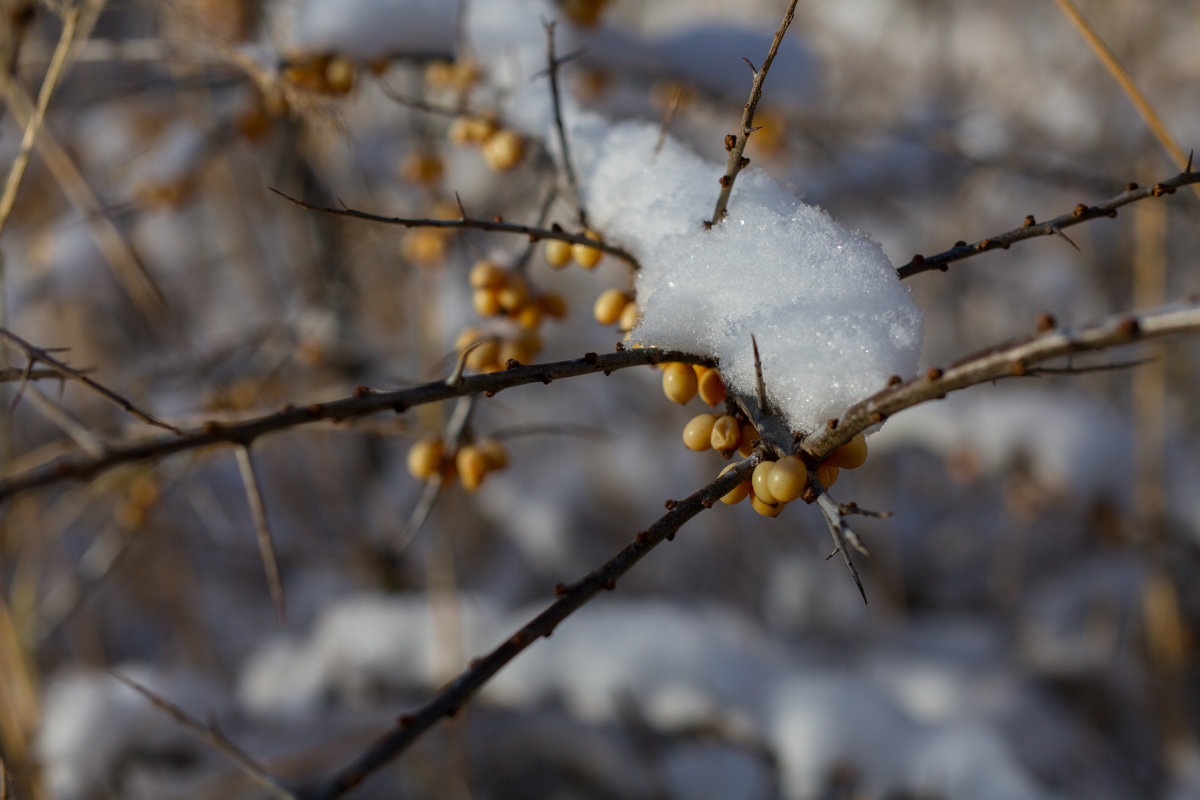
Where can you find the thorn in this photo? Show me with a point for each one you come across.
(760, 386)
(1188, 168)
(462, 211)
(750, 64)
(1058, 232)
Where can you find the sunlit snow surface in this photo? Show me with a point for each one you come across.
(831, 319)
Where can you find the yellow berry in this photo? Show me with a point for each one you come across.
(679, 383)
(738, 493)
(514, 351)
(425, 458)
(339, 75)
(554, 305)
(557, 253)
(766, 509)
(787, 479)
(466, 337)
(747, 436)
(609, 305)
(422, 168)
(530, 316)
(472, 467)
(851, 455)
(587, 257)
(486, 274)
(486, 302)
(424, 246)
(725, 434)
(711, 387)
(493, 453)
(503, 150)
(629, 316)
(464, 74)
(439, 74)
(758, 482)
(483, 355)
(471, 130)
(697, 434)
(514, 296)
(827, 474)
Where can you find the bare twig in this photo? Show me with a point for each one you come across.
(212, 736)
(571, 598)
(1030, 229)
(35, 353)
(412, 102)
(10, 374)
(365, 401)
(553, 63)
(266, 549)
(736, 161)
(494, 225)
(89, 442)
(1012, 360)
(668, 118)
(457, 423)
(843, 535)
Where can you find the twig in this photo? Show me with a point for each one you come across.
(553, 64)
(736, 162)
(841, 532)
(89, 442)
(365, 401)
(571, 598)
(412, 102)
(493, 225)
(10, 374)
(266, 549)
(1030, 229)
(35, 353)
(212, 736)
(1010, 360)
(668, 118)
(455, 426)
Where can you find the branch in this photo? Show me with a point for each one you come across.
(364, 401)
(552, 70)
(213, 736)
(736, 143)
(1012, 360)
(1029, 229)
(35, 354)
(258, 512)
(496, 225)
(571, 598)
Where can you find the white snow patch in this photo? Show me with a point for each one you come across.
(368, 29)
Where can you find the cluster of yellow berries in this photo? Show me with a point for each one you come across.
(322, 73)
(428, 246)
(499, 292)
(502, 148)
(584, 12)
(452, 76)
(559, 253)
(470, 463)
(615, 307)
(682, 382)
(773, 484)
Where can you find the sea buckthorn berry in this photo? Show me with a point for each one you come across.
(466, 337)
(339, 75)
(439, 74)
(738, 493)
(748, 435)
(851, 455)
(464, 74)
(758, 482)
(530, 316)
(425, 246)
(487, 274)
(422, 168)
(679, 383)
(766, 509)
(486, 302)
(827, 474)
(788, 479)
(484, 355)
(529, 339)
(514, 351)
(609, 305)
(425, 458)
(725, 434)
(493, 453)
(514, 296)
(629, 316)
(711, 387)
(700, 369)
(503, 150)
(698, 432)
(557, 253)
(471, 130)
(587, 257)
(554, 305)
(472, 467)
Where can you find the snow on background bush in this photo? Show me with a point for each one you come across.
(1012, 604)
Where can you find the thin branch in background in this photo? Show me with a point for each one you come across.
(35, 354)
(736, 143)
(266, 549)
(668, 118)
(571, 598)
(843, 535)
(455, 426)
(13, 374)
(552, 65)
(1123, 79)
(211, 735)
(1005, 361)
(522, 263)
(494, 225)
(1030, 228)
(89, 442)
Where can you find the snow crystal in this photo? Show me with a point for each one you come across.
(830, 316)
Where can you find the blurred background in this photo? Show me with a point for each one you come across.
(1031, 631)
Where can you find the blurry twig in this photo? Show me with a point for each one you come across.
(736, 143)
(571, 598)
(66, 422)
(1030, 229)
(258, 511)
(459, 419)
(496, 225)
(212, 735)
(34, 354)
(553, 63)
(364, 401)
(10, 374)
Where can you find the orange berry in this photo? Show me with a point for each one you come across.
(827, 474)
(487, 274)
(339, 75)
(503, 150)
(530, 316)
(766, 509)
(471, 130)
(587, 257)
(679, 383)
(697, 434)
(557, 253)
(747, 436)
(851, 455)
(711, 387)
(472, 467)
(439, 74)
(609, 305)
(422, 168)
(466, 337)
(483, 355)
(424, 246)
(738, 493)
(787, 479)
(629, 316)
(486, 302)
(725, 434)
(493, 453)
(425, 458)
(554, 305)
(758, 482)
(514, 296)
